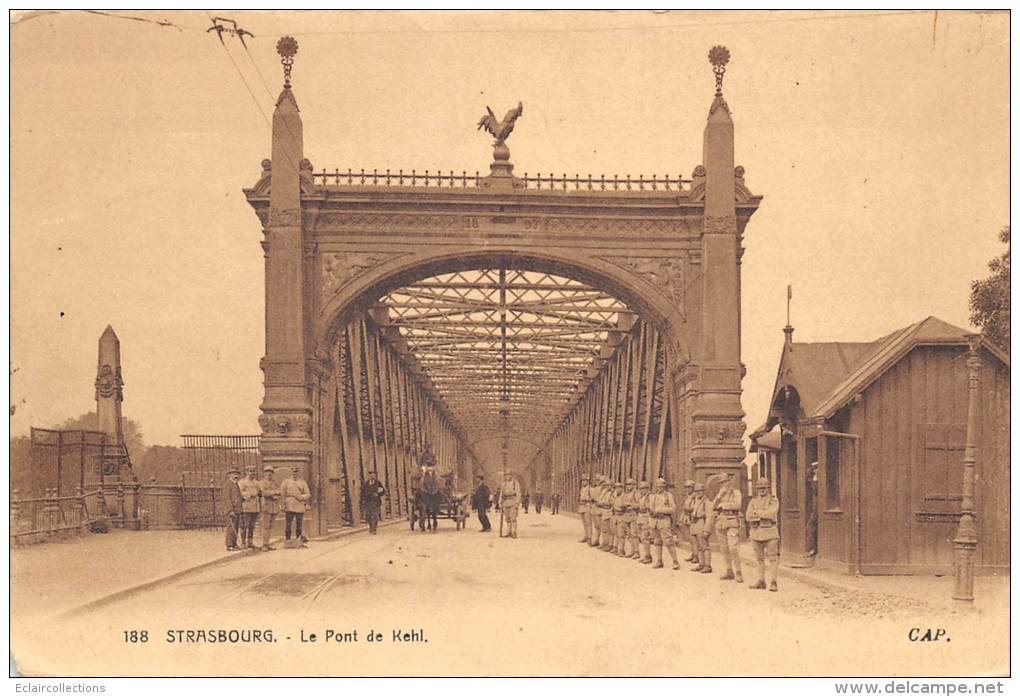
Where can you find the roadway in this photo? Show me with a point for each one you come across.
(466, 603)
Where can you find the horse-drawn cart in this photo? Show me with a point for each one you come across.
(445, 503)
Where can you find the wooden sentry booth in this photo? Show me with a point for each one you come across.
(885, 422)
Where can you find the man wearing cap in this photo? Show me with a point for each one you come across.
(597, 494)
(594, 512)
(644, 534)
(269, 492)
(617, 520)
(235, 507)
(584, 508)
(480, 502)
(727, 505)
(699, 529)
(763, 516)
(630, 527)
(606, 512)
(686, 522)
(662, 508)
(249, 488)
(295, 495)
(509, 500)
(372, 493)
(554, 501)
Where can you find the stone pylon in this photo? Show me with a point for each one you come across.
(110, 387)
(718, 424)
(286, 408)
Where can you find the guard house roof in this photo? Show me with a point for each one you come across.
(826, 375)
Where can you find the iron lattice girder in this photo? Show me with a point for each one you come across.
(502, 345)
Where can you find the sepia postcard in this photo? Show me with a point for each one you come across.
(511, 343)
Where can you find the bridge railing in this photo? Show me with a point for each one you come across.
(467, 180)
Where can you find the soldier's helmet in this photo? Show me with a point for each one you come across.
(660, 481)
(630, 481)
(762, 483)
(688, 483)
(268, 468)
(584, 478)
(699, 487)
(233, 470)
(618, 485)
(644, 485)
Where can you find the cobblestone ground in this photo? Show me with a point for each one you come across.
(465, 603)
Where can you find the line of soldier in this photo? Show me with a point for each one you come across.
(637, 521)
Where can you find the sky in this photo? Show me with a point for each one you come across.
(880, 142)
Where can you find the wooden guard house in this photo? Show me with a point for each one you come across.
(886, 424)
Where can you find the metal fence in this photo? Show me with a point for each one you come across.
(127, 505)
(69, 489)
(68, 461)
(467, 180)
(210, 456)
(47, 516)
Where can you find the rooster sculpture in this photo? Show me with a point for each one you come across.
(500, 130)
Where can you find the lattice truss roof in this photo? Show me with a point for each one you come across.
(500, 343)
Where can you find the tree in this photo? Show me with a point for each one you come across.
(89, 421)
(989, 298)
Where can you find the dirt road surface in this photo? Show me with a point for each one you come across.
(465, 603)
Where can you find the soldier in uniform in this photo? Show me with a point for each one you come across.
(644, 522)
(556, 503)
(762, 515)
(700, 529)
(686, 521)
(249, 488)
(509, 500)
(525, 501)
(727, 505)
(583, 508)
(295, 495)
(595, 510)
(619, 514)
(539, 500)
(630, 526)
(372, 493)
(269, 492)
(235, 507)
(662, 509)
(606, 511)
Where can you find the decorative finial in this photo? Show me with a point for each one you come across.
(287, 48)
(719, 56)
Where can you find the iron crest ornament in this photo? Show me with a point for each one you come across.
(719, 56)
(287, 47)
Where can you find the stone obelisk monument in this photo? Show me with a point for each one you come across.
(110, 388)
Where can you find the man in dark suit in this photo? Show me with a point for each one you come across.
(430, 489)
(372, 493)
(234, 503)
(480, 502)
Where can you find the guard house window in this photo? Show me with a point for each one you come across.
(832, 473)
(942, 466)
